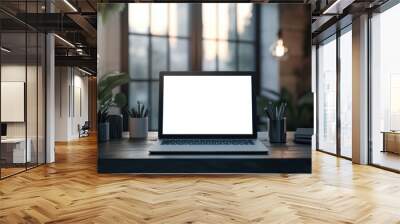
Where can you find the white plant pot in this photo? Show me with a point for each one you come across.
(138, 127)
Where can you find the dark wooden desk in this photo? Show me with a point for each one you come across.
(130, 156)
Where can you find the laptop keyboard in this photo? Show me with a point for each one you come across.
(207, 142)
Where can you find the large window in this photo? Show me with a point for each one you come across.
(228, 37)
(162, 38)
(385, 88)
(159, 40)
(335, 107)
(327, 96)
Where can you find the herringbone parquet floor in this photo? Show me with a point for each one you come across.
(71, 191)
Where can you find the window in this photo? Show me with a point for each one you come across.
(228, 37)
(334, 107)
(385, 88)
(327, 96)
(161, 38)
(346, 94)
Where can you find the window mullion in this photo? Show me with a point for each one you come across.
(217, 39)
(168, 39)
(150, 64)
(236, 41)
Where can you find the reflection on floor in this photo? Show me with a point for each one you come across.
(387, 159)
(71, 191)
(10, 169)
(346, 152)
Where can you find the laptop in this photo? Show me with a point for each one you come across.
(207, 112)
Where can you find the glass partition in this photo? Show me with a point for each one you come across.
(22, 92)
(15, 152)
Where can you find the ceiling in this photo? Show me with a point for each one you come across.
(74, 22)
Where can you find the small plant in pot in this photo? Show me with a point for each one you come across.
(107, 99)
(138, 121)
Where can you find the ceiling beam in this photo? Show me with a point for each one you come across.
(78, 61)
(84, 24)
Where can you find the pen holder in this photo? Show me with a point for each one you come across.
(277, 131)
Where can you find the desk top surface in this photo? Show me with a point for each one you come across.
(138, 149)
(13, 140)
(391, 132)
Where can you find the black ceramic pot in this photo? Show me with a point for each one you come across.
(104, 132)
(277, 131)
(115, 126)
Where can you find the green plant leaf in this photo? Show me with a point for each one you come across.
(110, 81)
(120, 100)
(107, 83)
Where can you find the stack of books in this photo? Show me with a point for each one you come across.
(303, 135)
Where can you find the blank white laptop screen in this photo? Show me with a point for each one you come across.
(207, 105)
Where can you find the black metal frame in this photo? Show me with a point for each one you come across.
(161, 135)
(369, 77)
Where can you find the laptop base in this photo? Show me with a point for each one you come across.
(256, 148)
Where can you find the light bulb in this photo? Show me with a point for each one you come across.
(278, 49)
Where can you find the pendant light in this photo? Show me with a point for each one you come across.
(278, 49)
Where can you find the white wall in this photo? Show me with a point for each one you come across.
(33, 125)
(12, 73)
(79, 117)
(70, 83)
(109, 55)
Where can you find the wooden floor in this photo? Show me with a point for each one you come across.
(71, 191)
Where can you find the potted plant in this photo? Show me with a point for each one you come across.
(138, 121)
(107, 99)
